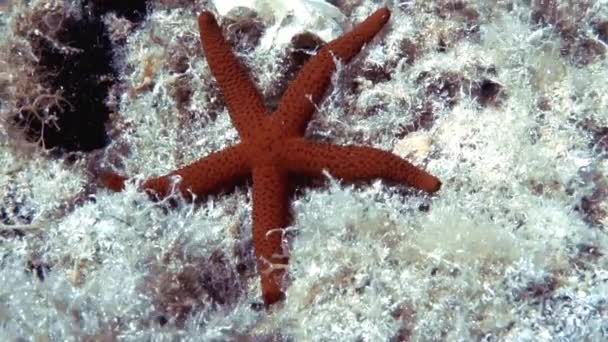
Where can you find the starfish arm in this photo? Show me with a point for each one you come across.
(245, 103)
(218, 169)
(270, 215)
(112, 181)
(353, 163)
(298, 102)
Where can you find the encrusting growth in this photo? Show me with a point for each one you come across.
(272, 145)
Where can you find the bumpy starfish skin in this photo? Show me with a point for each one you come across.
(272, 145)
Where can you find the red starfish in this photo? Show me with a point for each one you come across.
(273, 146)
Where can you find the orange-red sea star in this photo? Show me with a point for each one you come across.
(272, 146)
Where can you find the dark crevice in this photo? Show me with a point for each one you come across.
(77, 65)
(134, 10)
